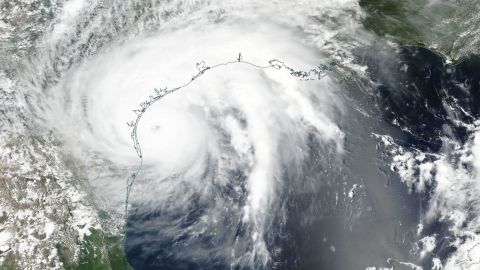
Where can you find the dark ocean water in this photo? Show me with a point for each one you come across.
(429, 101)
(414, 97)
(73, 71)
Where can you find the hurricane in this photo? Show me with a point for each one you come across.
(313, 134)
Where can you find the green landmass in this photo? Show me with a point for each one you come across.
(99, 252)
(10, 262)
(451, 28)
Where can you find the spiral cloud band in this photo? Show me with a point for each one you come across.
(211, 134)
(195, 142)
